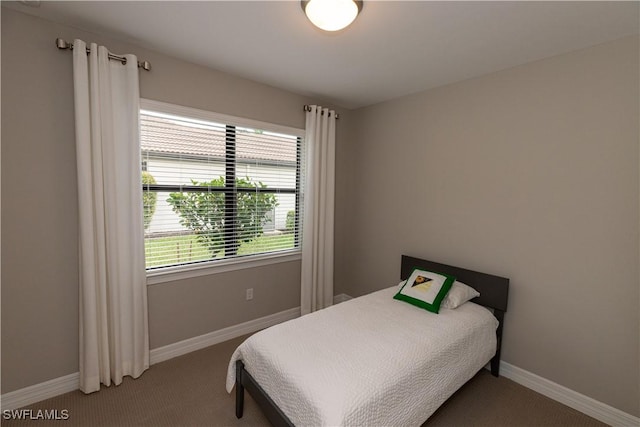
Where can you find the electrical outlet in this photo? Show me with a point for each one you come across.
(249, 294)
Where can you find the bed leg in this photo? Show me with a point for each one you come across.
(495, 362)
(495, 367)
(239, 389)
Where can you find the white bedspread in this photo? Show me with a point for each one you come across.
(368, 361)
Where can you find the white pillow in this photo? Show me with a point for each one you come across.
(458, 295)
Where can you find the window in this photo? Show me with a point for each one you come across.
(217, 188)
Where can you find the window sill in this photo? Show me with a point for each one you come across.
(170, 274)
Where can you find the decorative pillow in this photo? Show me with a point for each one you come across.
(425, 289)
(458, 295)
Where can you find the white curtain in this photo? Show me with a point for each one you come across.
(114, 338)
(317, 235)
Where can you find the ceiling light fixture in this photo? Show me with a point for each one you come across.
(331, 15)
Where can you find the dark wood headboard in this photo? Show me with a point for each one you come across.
(494, 292)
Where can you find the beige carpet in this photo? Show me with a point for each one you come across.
(189, 391)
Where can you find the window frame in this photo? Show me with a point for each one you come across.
(202, 268)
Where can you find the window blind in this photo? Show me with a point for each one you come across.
(215, 190)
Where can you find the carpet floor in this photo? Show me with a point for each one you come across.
(189, 391)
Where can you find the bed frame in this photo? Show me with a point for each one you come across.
(494, 292)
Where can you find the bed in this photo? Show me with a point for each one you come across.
(372, 360)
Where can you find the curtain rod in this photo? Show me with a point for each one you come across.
(64, 45)
(308, 108)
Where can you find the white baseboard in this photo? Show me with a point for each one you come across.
(36, 393)
(179, 348)
(598, 410)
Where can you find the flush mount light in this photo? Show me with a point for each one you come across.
(331, 15)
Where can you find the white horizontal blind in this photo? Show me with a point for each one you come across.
(216, 190)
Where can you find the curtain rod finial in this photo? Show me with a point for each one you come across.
(62, 44)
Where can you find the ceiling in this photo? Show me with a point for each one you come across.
(394, 48)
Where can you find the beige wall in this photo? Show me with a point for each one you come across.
(39, 203)
(530, 173)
